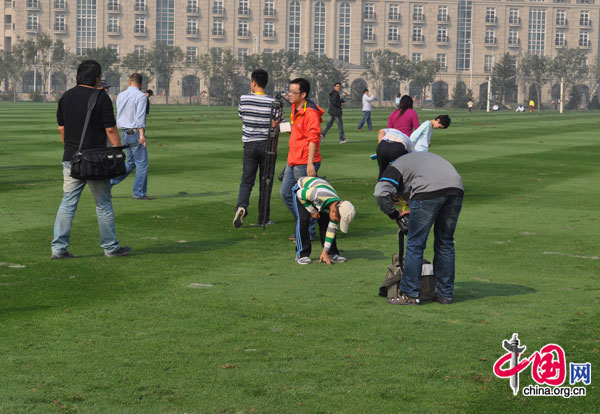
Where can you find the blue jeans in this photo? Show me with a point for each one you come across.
(291, 176)
(442, 213)
(365, 118)
(72, 189)
(340, 124)
(137, 158)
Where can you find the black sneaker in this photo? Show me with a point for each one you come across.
(442, 301)
(122, 251)
(238, 220)
(65, 255)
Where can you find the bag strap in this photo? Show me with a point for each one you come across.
(91, 104)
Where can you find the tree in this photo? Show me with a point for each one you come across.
(105, 56)
(402, 69)
(322, 73)
(279, 65)
(137, 63)
(459, 95)
(424, 73)
(504, 76)
(570, 66)
(535, 70)
(163, 60)
(62, 60)
(380, 70)
(223, 75)
(14, 64)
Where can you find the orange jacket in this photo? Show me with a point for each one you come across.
(306, 128)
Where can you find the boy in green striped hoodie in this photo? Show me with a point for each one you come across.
(313, 196)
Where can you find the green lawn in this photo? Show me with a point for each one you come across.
(205, 318)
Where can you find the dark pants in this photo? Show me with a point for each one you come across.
(303, 245)
(254, 158)
(387, 152)
(340, 124)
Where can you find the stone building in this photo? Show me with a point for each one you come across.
(464, 36)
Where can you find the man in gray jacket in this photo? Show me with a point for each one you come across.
(435, 191)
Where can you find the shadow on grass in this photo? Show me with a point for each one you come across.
(197, 246)
(23, 309)
(477, 290)
(183, 194)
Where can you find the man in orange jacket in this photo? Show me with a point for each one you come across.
(303, 157)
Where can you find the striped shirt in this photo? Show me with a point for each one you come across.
(255, 112)
(316, 194)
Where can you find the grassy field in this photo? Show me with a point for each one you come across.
(205, 318)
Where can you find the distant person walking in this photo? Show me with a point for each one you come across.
(71, 114)
(470, 106)
(131, 119)
(404, 119)
(366, 108)
(148, 93)
(531, 105)
(335, 113)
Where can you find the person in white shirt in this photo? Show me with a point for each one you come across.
(366, 107)
(421, 137)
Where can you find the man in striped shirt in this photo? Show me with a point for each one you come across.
(255, 111)
(316, 198)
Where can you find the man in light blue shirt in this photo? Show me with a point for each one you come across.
(421, 137)
(131, 120)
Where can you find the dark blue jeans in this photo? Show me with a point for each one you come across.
(365, 118)
(442, 213)
(255, 153)
(340, 124)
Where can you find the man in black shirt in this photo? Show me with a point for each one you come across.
(335, 113)
(71, 114)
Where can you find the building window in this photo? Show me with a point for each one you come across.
(86, 26)
(242, 53)
(243, 8)
(442, 34)
(584, 18)
(191, 55)
(368, 59)
(585, 1)
(269, 7)
(165, 22)
(218, 54)
(488, 63)
(192, 6)
(139, 50)
(584, 39)
(443, 14)
(344, 38)
(243, 28)
(369, 11)
(394, 12)
(560, 39)
(417, 35)
(33, 4)
(269, 30)
(218, 7)
(294, 26)
(393, 33)
(192, 27)
(319, 29)
(113, 24)
(561, 17)
(463, 41)
(60, 4)
(368, 32)
(115, 48)
(442, 63)
(537, 31)
(267, 51)
(513, 16)
(418, 15)
(513, 37)
(490, 15)
(140, 25)
(416, 57)
(139, 5)
(113, 5)
(33, 22)
(217, 27)
(490, 37)
(59, 23)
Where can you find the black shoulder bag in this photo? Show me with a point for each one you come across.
(97, 163)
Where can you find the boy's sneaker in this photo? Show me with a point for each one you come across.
(65, 255)
(343, 141)
(303, 260)
(238, 220)
(336, 258)
(292, 238)
(122, 251)
(404, 300)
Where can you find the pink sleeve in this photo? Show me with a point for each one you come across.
(415, 120)
(389, 125)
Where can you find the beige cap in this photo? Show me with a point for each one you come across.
(347, 213)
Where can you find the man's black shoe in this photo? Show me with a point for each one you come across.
(122, 251)
(65, 255)
(443, 301)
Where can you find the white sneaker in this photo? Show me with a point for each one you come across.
(303, 260)
(238, 220)
(336, 258)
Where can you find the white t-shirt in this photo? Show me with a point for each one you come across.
(366, 101)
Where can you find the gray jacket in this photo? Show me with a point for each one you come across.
(417, 176)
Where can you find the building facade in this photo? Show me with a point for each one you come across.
(463, 36)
